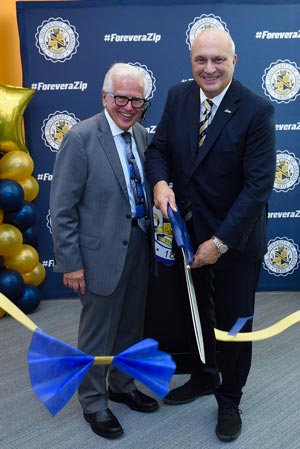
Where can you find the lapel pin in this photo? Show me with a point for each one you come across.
(228, 111)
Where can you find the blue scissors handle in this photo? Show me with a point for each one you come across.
(180, 234)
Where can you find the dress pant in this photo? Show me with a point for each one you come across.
(223, 296)
(110, 324)
(234, 297)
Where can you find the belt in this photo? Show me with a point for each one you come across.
(134, 222)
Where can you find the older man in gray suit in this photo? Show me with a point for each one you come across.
(100, 219)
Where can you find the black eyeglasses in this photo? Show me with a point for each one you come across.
(136, 102)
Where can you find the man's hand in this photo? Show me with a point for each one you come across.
(207, 254)
(164, 195)
(75, 280)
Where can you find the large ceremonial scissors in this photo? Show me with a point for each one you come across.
(183, 241)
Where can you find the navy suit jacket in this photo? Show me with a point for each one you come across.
(231, 178)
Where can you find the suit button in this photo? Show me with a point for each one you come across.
(128, 216)
(125, 242)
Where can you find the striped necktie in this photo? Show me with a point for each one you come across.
(203, 126)
(204, 122)
(135, 177)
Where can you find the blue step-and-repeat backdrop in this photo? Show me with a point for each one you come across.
(66, 49)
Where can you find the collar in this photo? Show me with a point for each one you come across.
(216, 100)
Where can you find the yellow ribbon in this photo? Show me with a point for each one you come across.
(103, 360)
(262, 334)
(18, 315)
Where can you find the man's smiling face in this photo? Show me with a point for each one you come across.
(124, 116)
(213, 61)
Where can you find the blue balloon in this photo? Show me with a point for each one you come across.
(23, 218)
(29, 300)
(12, 284)
(30, 236)
(11, 195)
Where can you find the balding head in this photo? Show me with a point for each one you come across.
(213, 34)
(213, 60)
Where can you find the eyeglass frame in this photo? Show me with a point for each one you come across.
(146, 103)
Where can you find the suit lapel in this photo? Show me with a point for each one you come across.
(226, 110)
(139, 142)
(109, 148)
(192, 108)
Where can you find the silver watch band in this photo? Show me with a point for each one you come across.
(222, 248)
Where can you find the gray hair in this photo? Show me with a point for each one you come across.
(232, 44)
(119, 70)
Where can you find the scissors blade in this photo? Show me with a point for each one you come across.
(194, 308)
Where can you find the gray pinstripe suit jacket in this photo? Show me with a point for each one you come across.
(89, 203)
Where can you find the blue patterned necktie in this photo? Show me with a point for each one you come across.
(135, 177)
(204, 122)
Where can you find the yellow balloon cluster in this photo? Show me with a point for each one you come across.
(36, 276)
(11, 239)
(16, 168)
(30, 187)
(16, 165)
(19, 166)
(23, 261)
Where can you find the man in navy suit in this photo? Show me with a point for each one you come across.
(101, 242)
(222, 188)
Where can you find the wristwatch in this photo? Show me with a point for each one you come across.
(221, 247)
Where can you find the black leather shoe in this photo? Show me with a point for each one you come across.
(187, 393)
(104, 423)
(229, 424)
(136, 400)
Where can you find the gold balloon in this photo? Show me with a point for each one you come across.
(23, 261)
(16, 165)
(31, 188)
(36, 276)
(2, 313)
(1, 215)
(13, 102)
(11, 239)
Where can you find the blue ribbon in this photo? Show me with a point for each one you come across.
(147, 364)
(56, 369)
(239, 324)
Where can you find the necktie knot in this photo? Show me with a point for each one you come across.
(126, 136)
(208, 104)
